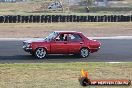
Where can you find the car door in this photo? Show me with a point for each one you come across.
(75, 43)
(59, 45)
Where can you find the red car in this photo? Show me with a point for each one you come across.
(62, 42)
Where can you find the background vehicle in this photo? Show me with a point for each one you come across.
(55, 5)
(62, 42)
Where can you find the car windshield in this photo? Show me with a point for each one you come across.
(51, 36)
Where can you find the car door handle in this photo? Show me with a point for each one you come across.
(65, 42)
(81, 42)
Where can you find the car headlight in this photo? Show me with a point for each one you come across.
(28, 44)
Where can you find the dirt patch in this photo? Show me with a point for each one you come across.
(42, 30)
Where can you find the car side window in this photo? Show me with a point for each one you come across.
(61, 37)
(75, 37)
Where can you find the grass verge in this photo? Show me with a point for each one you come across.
(58, 75)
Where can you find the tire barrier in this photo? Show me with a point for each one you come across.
(63, 18)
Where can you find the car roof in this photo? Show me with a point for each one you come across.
(67, 31)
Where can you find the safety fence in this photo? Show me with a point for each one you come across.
(63, 18)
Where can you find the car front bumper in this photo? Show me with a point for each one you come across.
(94, 50)
(27, 49)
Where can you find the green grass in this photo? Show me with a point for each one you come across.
(58, 75)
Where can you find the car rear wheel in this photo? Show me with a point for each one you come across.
(40, 53)
(84, 52)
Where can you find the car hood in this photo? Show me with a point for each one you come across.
(35, 40)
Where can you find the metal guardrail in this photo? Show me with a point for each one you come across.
(63, 18)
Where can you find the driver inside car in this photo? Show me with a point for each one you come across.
(61, 37)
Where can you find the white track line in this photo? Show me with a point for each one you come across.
(14, 39)
(113, 37)
(115, 62)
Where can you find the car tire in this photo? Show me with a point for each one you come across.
(84, 52)
(40, 53)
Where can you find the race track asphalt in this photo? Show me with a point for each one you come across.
(112, 50)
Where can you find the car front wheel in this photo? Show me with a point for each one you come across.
(40, 53)
(84, 52)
